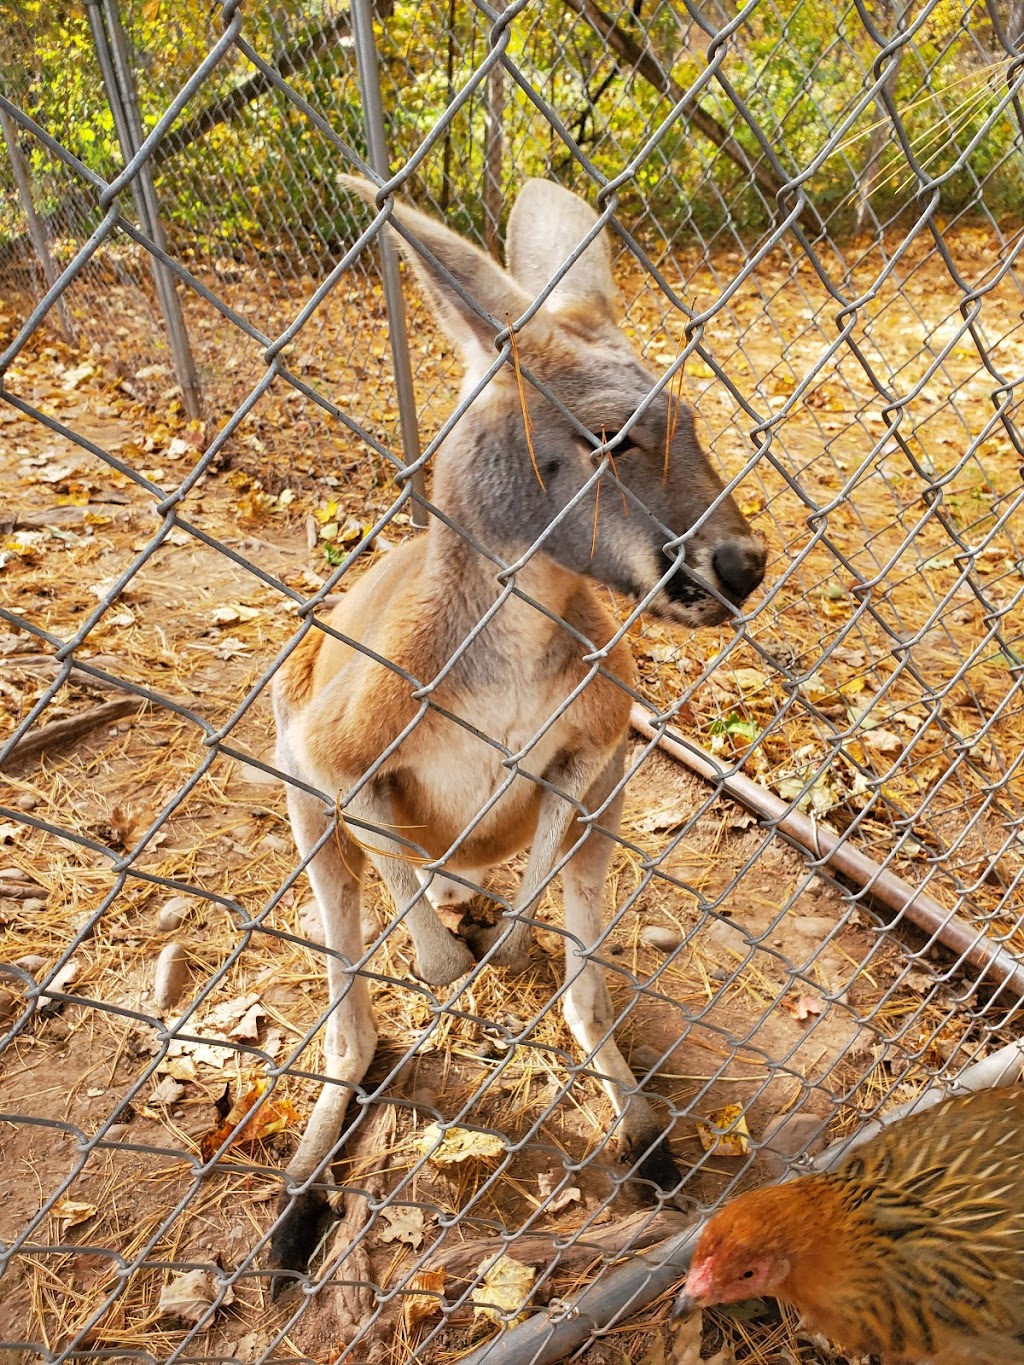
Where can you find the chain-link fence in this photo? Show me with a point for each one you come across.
(812, 911)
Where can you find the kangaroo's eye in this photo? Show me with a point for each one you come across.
(627, 446)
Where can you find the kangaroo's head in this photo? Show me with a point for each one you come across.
(645, 514)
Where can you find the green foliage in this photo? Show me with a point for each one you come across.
(264, 178)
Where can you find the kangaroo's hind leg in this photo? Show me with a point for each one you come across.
(586, 1004)
(350, 1036)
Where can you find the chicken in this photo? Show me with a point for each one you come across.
(911, 1249)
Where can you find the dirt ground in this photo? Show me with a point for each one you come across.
(770, 987)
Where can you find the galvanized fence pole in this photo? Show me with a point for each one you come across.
(380, 160)
(115, 68)
(36, 229)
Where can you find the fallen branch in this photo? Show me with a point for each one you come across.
(640, 1230)
(65, 732)
(21, 891)
(994, 963)
(47, 665)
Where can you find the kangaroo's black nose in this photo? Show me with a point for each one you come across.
(739, 565)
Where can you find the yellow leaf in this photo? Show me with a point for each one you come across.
(749, 679)
(76, 496)
(725, 1132)
(71, 1212)
(458, 1144)
(504, 1289)
(416, 1307)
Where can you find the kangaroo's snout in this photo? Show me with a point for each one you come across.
(739, 565)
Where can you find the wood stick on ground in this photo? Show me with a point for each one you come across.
(47, 665)
(639, 1230)
(61, 733)
(997, 967)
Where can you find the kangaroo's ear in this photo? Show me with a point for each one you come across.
(546, 225)
(457, 266)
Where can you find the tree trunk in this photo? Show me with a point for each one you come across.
(494, 157)
(643, 61)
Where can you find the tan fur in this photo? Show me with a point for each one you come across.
(457, 714)
(348, 708)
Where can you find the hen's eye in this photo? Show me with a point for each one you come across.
(747, 1275)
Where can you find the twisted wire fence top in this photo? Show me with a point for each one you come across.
(815, 220)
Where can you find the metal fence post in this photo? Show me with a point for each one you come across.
(115, 68)
(380, 160)
(35, 226)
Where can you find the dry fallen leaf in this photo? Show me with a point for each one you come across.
(547, 1183)
(189, 1295)
(270, 1118)
(71, 1212)
(180, 1068)
(166, 1091)
(687, 1339)
(801, 1007)
(232, 612)
(882, 740)
(405, 1225)
(458, 1144)
(725, 1131)
(248, 1027)
(416, 1307)
(504, 1289)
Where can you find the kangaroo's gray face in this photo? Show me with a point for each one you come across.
(656, 525)
(656, 515)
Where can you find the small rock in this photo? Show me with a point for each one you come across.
(32, 962)
(790, 1137)
(722, 933)
(488, 1048)
(172, 914)
(817, 927)
(243, 832)
(27, 801)
(274, 843)
(10, 1007)
(116, 1132)
(33, 905)
(644, 1059)
(170, 977)
(662, 937)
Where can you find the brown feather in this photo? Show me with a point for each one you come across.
(912, 1249)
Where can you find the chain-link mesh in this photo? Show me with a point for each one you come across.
(813, 907)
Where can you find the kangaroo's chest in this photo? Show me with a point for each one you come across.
(477, 776)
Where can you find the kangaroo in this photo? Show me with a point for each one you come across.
(469, 697)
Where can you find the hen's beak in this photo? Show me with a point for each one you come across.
(683, 1305)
